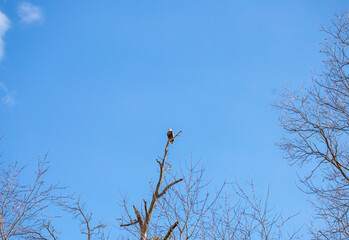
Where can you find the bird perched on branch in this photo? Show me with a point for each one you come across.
(170, 135)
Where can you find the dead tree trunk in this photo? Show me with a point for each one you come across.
(143, 220)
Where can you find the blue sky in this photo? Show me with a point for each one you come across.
(98, 83)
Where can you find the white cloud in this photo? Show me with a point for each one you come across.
(30, 13)
(4, 25)
(7, 97)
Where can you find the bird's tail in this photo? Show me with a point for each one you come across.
(172, 140)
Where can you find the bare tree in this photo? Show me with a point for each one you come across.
(255, 219)
(26, 207)
(24, 212)
(78, 209)
(229, 212)
(190, 204)
(317, 122)
(139, 226)
(195, 209)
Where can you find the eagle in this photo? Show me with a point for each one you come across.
(170, 135)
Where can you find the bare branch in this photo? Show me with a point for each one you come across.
(144, 222)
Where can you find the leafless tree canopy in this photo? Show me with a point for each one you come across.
(84, 217)
(28, 209)
(229, 212)
(194, 209)
(317, 122)
(189, 203)
(24, 212)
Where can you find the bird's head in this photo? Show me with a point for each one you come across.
(169, 129)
